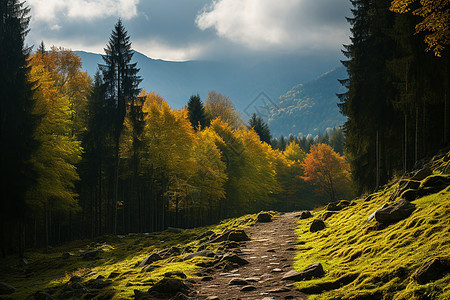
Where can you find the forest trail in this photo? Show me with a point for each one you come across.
(270, 253)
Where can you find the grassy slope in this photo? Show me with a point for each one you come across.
(48, 270)
(381, 260)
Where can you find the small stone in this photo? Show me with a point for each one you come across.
(66, 255)
(207, 278)
(113, 275)
(317, 225)
(393, 213)
(204, 253)
(252, 279)
(248, 288)
(271, 250)
(212, 298)
(432, 270)
(233, 258)
(264, 217)
(305, 215)
(277, 270)
(150, 259)
(237, 281)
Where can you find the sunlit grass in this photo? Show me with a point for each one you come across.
(122, 255)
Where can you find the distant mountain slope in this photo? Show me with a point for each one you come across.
(241, 80)
(309, 108)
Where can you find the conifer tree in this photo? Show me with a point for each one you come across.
(121, 88)
(17, 123)
(261, 128)
(196, 112)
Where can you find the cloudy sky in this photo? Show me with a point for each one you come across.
(196, 29)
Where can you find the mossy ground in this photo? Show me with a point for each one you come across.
(48, 271)
(381, 260)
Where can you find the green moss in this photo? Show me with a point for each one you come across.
(49, 272)
(384, 258)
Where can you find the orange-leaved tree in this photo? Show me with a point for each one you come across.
(327, 169)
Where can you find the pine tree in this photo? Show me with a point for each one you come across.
(17, 123)
(196, 112)
(121, 88)
(261, 128)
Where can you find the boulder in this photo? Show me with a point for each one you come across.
(327, 214)
(314, 270)
(422, 174)
(264, 217)
(6, 289)
(410, 195)
(403, 185)
(305, 215)
(434, 184)
(232, 235)
(205, 253)
(168, 287)
(317, 225)
(92, 254)
(234, 259)
(150, 259)
(432, 270)
(393, 213)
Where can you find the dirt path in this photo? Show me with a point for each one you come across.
(270, 253)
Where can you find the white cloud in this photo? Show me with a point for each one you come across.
(50, 10)
(158, 49)
(268, 24)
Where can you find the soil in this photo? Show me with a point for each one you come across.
(270, 253)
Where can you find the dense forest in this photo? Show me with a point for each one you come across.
(82, 157)
(398, 86)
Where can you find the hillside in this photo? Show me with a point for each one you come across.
(241, 80)
(309, 108)
(380, 258)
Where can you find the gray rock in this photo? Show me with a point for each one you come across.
(150, 259)
(6, 289)
(237, 281)
(232, 235)
(314, 270)
(317, 225)
(305, 215)
(169, 286)
(395, 212)
(248, 288)
(264, 217)
(92, 254)
(233, 258)
(433, 269)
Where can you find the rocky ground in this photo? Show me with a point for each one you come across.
(269, 252)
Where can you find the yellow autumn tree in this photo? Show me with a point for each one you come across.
(218, 105)
(58, 151)
(207, 185)
(168, 141)
(435, 23)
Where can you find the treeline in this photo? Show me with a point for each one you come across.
(87, 157)
(397, 99)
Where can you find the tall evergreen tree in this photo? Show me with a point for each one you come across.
(261, 128)
(121, 89)
(196, 112)
(17, 124)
